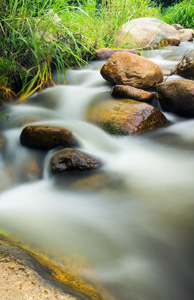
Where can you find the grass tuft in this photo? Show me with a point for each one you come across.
(181, 13)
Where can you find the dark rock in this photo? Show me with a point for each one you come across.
(105, 53)
(147, 33)
(124, 117)
(125, 91)
(129, 69)
(177, 96)
(27, 275)
(47, 137)
(68, 159)
(186, 66)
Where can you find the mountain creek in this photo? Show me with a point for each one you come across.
(131, 220)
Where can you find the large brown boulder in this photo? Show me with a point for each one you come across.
(105, 53)
(186, 66)
(125, 117)
(147, 33)
(129, 69)
(47, 137)
(177, 96)
(68, 160)
(27, 275)
(126, 91)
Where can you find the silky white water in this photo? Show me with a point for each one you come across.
(136, 236)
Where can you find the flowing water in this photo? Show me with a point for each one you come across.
(136, 231)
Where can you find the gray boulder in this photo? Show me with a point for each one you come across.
(147, 33)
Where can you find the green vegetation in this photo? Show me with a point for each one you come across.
(37, 36)
(181, 13)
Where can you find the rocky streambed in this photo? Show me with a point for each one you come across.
(100, 170)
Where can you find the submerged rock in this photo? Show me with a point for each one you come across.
(166, 71)
(2, 143)
(124, 117)
(129, 69)
(31, 170)
(186, 66)
(103, 182)
(27, 121)
(47, 137)
(147, 33)
(105, 53)
(125, 91)
(177, 96)
(68, 159)
(27, 275)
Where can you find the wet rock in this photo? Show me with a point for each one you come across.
(177, 96)
(166, 71)
(27, 275)
(147, 33)
(124, 117)
(129, 69)
(47, 137)
(104, 182)
(186, 66)
(31, 171)
(105, 53)
(125, 91)
(186, 35)
(68, 160)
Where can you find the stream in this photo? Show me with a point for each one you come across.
(135, 233)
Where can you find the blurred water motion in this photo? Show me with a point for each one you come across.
(133, 220)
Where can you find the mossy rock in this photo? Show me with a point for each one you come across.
(26, 274)
(125, 117)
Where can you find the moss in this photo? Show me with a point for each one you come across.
(57, 275)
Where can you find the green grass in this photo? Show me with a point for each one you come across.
(33, 40)
(39, 35)
(181, 13)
